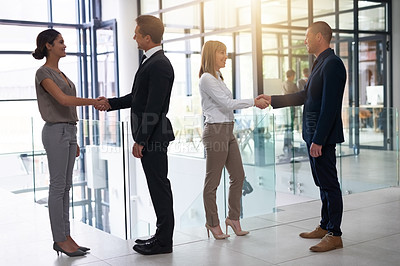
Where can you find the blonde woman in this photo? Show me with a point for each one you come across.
(221, 146)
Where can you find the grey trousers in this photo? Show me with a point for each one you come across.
(59, 141)
(222, 150)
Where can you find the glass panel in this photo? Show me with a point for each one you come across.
(224, 38)
(107, 82)
(147, 6)
(258, 159)
(234, 13)
(185, 110)
(64, 11)
(170, 3)
(270, 42)
(243, 42)
(364, 169)
(183, 18)
(188, 45)
(274, 12)
(70, 39)
(17, 38)
(359, 169)
(346, 5)
(178, 46)
(244, 80)
(371, 91)
(244, 15)
(372, 19)
(271, 73)
(322, 7)
(95, 194)
(17, 75)
(300, 23)
(25, 10)
(328, 19)
(256, 143)
(190, 214)
(346, 21)
(368, 3)
(299, 11)
(345, 47)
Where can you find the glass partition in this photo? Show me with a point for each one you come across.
(110, 190)
(255, 136)
(98, 192)
(361, 165)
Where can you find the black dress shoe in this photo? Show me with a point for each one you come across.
(143, 241)
(152, 247)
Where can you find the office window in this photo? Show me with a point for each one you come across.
(183, 18)
(274, 12)
(346, 21)
(244, 42)
(299, 12)
(372, 19)
(148, 6)
(26, 10)
(322, 7)
(64, 11)
(225, 14)
(17, 38)
(171, 3)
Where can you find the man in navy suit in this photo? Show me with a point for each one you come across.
(322, 129)
(151, 129)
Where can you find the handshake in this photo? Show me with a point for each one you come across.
(102, 104)
(262, 101)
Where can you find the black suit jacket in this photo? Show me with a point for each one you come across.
(322, 98)
(149, 101)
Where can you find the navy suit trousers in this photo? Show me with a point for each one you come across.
(325, 177)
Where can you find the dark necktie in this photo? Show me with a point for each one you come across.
(314, 64)
(143, 58)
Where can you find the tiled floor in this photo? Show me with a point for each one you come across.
(371, 236)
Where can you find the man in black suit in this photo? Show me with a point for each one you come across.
(322, 129)
(151, 129)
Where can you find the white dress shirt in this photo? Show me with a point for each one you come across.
(151, 51)
(217, 100)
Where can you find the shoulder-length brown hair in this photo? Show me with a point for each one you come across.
(208, 53)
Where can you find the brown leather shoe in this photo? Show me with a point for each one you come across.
(329, 242)
(317, 233)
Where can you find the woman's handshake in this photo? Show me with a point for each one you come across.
(262, 101)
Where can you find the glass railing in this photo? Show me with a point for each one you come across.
(99, 188)
(255, 136)
(367, 160)
(110, 190)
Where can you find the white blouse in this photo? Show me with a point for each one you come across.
(217, 100)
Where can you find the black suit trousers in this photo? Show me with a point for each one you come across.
(155, 166)
(325, 177)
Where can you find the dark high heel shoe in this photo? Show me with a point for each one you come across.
(77, 253)
(84, 249)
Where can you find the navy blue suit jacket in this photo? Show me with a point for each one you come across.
(149, 101)
(322, 98)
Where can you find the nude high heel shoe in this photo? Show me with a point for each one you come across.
(217, 237)
(228, 222)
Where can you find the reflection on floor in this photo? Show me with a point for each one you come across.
(371, 236)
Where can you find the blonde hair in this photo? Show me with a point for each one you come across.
(208, 53)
